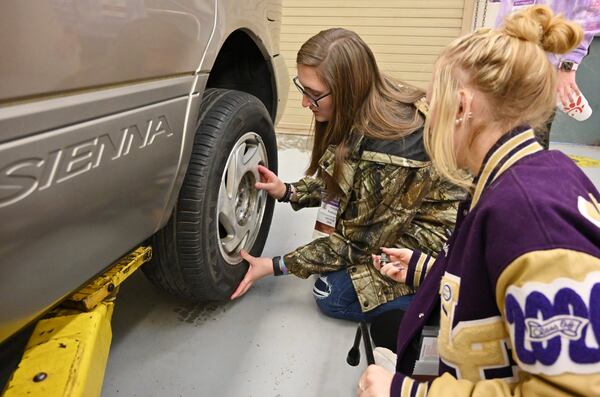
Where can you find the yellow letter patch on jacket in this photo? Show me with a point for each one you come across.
(470, 347)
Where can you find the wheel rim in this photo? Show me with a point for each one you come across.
(240, 207)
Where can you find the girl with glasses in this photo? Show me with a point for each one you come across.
(368, 161)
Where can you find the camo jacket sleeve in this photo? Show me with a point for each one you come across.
(308, 193)
(382, 196)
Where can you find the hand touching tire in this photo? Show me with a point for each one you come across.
(270, 183)
(259, 268)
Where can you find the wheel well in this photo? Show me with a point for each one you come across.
(242, 66)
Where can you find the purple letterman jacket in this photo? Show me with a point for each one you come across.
(518, 283)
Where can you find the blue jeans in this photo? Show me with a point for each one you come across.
(336, 297)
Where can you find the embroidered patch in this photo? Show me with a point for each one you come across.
(446, 292)
(555, 327)
(568, 326)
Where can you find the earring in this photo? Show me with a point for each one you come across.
(461, 119)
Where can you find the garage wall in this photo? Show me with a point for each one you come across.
(405, 35)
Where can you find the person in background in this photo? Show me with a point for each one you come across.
(517, 287)
(369, 163)
(584, 12)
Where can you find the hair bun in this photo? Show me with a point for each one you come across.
(539, 25)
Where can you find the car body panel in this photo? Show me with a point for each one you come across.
(96, 130)
(79, 201)
(91, 43)
(33, 117)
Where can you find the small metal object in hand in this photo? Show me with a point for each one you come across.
(384, 258)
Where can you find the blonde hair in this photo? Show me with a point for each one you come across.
(509, 67)
(365, 102)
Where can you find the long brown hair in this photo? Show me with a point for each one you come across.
(365, 102)
(509, 67)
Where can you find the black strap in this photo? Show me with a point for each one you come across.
(276, 268)
(287, 195)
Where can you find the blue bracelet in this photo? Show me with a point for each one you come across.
(282, 266)
(279, 268)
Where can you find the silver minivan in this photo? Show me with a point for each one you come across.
(125, 122)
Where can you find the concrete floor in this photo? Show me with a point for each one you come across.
(272, 342)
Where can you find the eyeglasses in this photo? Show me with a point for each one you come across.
(313, 101)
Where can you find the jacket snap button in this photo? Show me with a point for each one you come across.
(353, 269)
(421, 315)
(366, 303)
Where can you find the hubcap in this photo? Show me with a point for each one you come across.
(240, 207)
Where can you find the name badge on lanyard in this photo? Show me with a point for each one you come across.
(326, 217)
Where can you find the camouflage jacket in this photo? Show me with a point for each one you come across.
(392, 197)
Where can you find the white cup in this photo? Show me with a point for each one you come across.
(579, 108)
